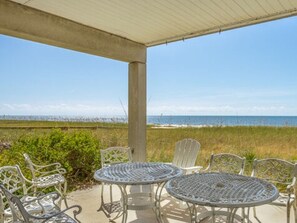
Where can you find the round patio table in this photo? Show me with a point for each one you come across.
(221, 190)
(125, 174)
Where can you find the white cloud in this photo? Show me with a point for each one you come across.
(60, 109)
(156, 109)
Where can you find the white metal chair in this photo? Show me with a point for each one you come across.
(185, 155)
(20, 212)
(50, 175)
(14, 181)
(111, 156)
(227, 163)
(284, 175)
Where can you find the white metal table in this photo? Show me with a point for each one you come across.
(221, 190)
(138, 174)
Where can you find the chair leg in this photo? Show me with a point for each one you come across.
(102, 192)
(101, 207)
(2, 217)
(65, 194)
(295, 211)
(110, 198)
(58, 188)
(288, 213)
(62, 189)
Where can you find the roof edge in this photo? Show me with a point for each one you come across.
(230, 26)
(39, 26)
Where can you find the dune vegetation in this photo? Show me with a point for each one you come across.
(59, 141)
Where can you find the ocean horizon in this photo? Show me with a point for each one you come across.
(170, 120)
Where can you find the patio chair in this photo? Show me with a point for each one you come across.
(20, 211)
(14, 181)
(284, 175)
(227, 163)
(45, 176)
(111, 156)
(185, 155)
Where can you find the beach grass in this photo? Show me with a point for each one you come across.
(248, 141)
(31, 124)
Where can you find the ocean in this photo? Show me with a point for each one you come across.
(224, 120)
(183, 121)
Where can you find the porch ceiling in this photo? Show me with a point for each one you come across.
(153, 22)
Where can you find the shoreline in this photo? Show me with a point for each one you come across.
(170, 126)
(152, 121)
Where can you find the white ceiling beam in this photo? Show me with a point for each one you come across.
(28, 23)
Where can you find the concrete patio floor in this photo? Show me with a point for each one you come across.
(172, 213)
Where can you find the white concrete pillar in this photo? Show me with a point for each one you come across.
(137, 110)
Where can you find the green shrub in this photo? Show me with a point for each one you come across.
(250, 156)
(77, 151)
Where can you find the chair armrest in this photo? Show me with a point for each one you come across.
(55, 171)
(56, 165)
(52, 197)
(206, 170)
(46, 216)
(292, 188)
(31, 194)
(28, 205)
(192, 169)
(77, 210)
(49, 168)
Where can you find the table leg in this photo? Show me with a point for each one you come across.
(193, 212)
(248, 215)
(158, 195)
(231, 215)
(124, 202)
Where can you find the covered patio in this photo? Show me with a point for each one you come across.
(123, 30)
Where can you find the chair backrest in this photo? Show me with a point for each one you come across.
(114, 155)
(13, 180)
(227, 163)
(30, 165)
(275, 170)
(186, 152)
(19, 214)
(22, 214)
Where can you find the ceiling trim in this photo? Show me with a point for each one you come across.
(219, 29)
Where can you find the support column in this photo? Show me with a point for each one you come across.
(137, 110)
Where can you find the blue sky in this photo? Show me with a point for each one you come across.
(247, 71)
